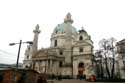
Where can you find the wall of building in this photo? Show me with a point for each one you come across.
(86, 50)
(60, 40)
(87, 64)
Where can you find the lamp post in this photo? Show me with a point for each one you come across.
(11, 44)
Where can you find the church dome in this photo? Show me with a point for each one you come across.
(61, 28)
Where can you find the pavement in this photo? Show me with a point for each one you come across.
(70, 81)
(79, 81)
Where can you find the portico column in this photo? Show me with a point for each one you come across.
(46, 66)
(51, 67)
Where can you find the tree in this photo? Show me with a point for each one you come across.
(108, 52)
(98, 62)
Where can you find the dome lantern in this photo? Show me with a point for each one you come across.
(68, 19)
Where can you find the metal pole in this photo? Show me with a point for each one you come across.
(18, 55)
(15, 78)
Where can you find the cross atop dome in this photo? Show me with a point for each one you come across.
(68, 18)
(82, 30)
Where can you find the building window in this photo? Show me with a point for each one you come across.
(60, 64)
(26, 66)
(55, 44)
(81, 68)
(91, 49)
(81, 64)
(80, 38)
(61, 52)
(56, 31)
(49, 63)
(28, 47)
(27, 57)
(80, 49)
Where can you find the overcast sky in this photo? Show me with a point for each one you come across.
(18, 18)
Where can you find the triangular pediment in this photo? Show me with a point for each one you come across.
(40, 53)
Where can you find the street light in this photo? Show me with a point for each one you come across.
(11, 44)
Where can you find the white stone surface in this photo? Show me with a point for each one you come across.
(49, 59)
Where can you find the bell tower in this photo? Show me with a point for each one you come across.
(35, 40)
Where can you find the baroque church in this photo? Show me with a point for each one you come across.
(70, 52)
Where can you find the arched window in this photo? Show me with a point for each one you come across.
(81, 68)
(60, 64)
(61, 52)
(27, 57)
(80, 38)
(80, 49)
(26, 66)
(55, 43)
(81, 64)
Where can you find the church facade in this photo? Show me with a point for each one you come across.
(70, 52)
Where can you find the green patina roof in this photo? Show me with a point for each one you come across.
(62, 28)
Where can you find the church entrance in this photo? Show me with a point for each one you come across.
(81, 70)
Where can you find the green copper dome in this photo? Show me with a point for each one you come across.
(62, 28)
